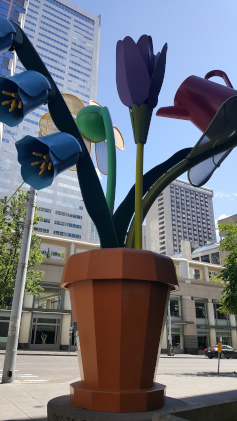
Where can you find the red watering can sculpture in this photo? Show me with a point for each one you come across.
(199, 99)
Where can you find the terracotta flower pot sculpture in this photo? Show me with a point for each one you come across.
(119, 298)
(118, 293)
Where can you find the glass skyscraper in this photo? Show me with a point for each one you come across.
(67, 39)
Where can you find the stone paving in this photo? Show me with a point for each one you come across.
(190, 380)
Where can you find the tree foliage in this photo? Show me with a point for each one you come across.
(11, 232)
(228, 302)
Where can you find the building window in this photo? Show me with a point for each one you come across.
(49, 299)
(215, 258)
(201, 309)
(221, 318)
(205, 258)
(175, 306)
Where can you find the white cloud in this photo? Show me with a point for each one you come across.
(221, 195)
(99, 174)
(223, 216)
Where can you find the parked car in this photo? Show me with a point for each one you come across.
(227, 351)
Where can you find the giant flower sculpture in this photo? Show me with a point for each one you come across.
(21, 94)
(95, 125)
(7, 32)
(139, 77)
(42, 158)
(139, 74)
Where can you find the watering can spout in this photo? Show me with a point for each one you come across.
(175, 111)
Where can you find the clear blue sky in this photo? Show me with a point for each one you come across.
(201, 36)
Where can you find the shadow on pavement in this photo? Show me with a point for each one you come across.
(209, 374)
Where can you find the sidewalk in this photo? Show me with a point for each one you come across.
(24, 401)
(60, 353)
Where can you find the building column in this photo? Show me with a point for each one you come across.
(66, 324)
(70, 250)
(164, 340)
(66, 301)
(25, 327)
(190, 330)
(24, 334)
(184, 269)
(233, 331)
(206, 273)
(211, 321)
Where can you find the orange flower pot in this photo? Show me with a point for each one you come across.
(119, 299)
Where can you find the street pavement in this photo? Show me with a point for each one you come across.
(41, 376)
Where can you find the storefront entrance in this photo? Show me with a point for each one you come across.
(45, 332)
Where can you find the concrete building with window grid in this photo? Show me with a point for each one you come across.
(67, 39)
(195, 320)
(181, 212)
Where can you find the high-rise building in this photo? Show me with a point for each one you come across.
(14, 10)
(181, 212)
(67, 39)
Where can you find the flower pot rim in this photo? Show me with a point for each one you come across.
(119, 263)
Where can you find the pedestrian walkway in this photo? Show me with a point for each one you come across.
(28, 400)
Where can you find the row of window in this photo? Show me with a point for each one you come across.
(200, 309)
(54, 34)
(71, 12)
(69, 215)
(82, 48)
(68, 224)
(67, 234)
(54, 40)
(80, 65)
(59, 28)
(75, 91)
(51, 20)
(55, 16)
(49, 51)
(60, 233)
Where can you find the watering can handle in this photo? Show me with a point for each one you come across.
(221, 74)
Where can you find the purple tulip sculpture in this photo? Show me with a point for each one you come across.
(139, 77)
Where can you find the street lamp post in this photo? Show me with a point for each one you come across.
(15, 319)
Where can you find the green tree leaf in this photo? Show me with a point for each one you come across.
(228, 302)
(11, 232)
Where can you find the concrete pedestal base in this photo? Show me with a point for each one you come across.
(62, 409)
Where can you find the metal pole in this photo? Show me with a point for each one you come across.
(15, 319)
(170, 349)
(219, 354)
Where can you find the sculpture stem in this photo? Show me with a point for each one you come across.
(138, 197)
(111, 178)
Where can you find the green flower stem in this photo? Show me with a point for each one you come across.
(138, 197)
(111, 178)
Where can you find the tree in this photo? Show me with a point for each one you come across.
(11, 232)
(228, 274)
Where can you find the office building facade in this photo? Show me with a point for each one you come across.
(181, 212)
(67, 39)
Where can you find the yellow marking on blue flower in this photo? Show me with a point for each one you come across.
(15, 103)
(46, 162)
(37, 154)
